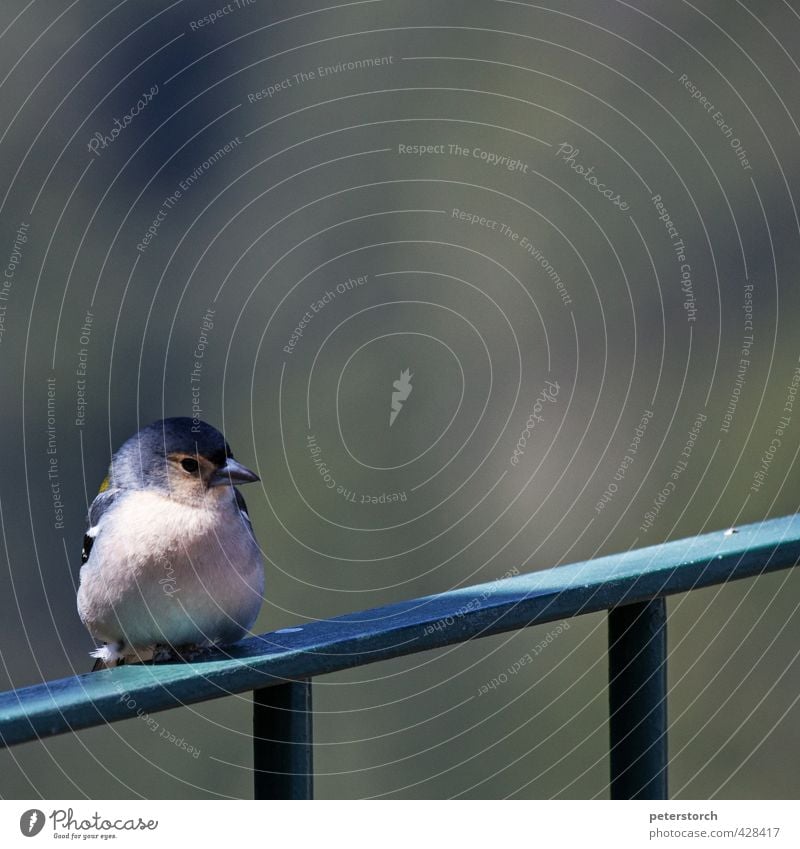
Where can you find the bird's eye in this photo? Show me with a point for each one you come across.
(190, 465)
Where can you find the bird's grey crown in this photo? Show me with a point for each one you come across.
(143, 456)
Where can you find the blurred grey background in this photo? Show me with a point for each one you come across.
(420, 186)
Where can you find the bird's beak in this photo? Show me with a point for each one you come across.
(231, 474)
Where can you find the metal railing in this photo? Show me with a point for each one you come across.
(279, 667)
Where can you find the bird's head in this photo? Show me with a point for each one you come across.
(184, 458)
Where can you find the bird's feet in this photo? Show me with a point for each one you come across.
(173, 654)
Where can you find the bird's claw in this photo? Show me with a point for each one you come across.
(173, 654)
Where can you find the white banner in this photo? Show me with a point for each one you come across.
(378, 824)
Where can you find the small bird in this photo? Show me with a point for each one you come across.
(170, 562)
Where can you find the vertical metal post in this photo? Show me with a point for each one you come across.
(282, 742)
(637, 693)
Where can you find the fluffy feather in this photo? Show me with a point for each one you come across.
(162, 572)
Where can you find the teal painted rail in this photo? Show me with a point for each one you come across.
(279, 666)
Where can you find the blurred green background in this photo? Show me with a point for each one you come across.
(267, 180)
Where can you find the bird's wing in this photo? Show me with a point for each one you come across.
(242, 505)
(103, 500)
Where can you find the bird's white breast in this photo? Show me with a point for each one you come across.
(162, 571)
